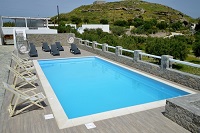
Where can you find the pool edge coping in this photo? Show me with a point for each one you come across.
(61, 117)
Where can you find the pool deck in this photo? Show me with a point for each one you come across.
(148, 121)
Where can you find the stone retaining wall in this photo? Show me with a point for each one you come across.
(37, 39)
(185, 111)
(185, 79)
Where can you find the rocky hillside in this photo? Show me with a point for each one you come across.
(124, 10)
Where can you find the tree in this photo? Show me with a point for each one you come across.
(61, 27)
(178, 49)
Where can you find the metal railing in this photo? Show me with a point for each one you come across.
(184, 63)
(150, 55)
(110, 48)
(121, 52)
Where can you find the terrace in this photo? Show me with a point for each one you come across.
(151, 120)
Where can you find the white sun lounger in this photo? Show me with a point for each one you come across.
(26, 79)
(22, 60)
(20, 98)
(26, 68)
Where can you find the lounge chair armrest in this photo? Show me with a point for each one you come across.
(30, 90)
(38, 95)
(26, 59)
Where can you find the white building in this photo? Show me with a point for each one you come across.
(104, 27)
(29, 24)
(72, 25)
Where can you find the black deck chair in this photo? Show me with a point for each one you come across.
(59, 46)
(33, 51)
(54, 50)
(45, 47)
(74, 49)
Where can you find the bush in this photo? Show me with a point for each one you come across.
(86, 20)
(176, 26)
(117, 30)
(121, 23)
(103, 21)
(76, 20)
(138, 22)
(196, 45)
(197, 28)
(162, 25)
(172, 46)
(9, 24)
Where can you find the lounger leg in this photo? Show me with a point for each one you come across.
(15, 80)
(32, 103)
(12, 108)
(25, 83)
(38, 103)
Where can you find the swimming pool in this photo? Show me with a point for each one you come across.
(91, 85)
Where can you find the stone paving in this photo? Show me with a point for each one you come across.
(5, 59)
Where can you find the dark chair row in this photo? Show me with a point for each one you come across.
(58, 46)
(46, 48)
(54, 50)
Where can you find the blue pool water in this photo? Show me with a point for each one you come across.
(90, 85)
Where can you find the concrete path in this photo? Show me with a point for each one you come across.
(5, 59)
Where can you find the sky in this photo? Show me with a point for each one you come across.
(189, 7)
(48, 8)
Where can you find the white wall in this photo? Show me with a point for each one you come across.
(105, 28)
(41, 31)
(9, 30)
(1, 35)
(1, 43)
(72, 25)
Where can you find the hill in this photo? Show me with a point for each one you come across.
(123, 10)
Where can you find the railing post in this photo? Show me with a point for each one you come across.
(165, 63)
(137, 55)
(86, 42)
(94, 44)
(78, 41)
(104, 47)
(118, 50)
